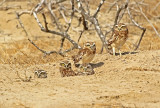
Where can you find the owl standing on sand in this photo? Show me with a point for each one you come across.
(86, 54)
(118, 38)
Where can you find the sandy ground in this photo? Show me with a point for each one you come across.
(130, 81)
(117, 82)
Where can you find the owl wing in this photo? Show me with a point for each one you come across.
(112, 39)
(80, 55)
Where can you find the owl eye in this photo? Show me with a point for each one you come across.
(62, 64)
(69, 65)
(81, 68)
(87, 44)
(123, 25)
(93, 44)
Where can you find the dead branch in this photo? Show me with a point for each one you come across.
(115, 3)
(95, 23)
(136, 24)
(21, 24)
(157, 5)
(4, 8)
(98, 9)
(45, 52)
(118, 17)
(69, 23)
(148, 20)
(57, 1)
(72, 14)
(49, 6)
(80, 35)
(1, 3)
(62, 33)
(87, 6)
(45, 22)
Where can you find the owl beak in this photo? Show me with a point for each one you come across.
(119, 28)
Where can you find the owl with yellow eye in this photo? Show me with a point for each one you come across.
(66, 69)
(118, 38)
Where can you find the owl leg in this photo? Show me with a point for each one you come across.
(114, 51)
(120, 53)
(129, 49)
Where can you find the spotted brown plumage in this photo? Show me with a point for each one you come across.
(86, 54)
(66, 69)
(118, 38)
(85, 69)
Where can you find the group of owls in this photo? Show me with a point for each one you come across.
(87, 53)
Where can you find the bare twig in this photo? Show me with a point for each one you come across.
(54, 16)
(98, 9)
(123, 7)
(10, 7)
(157, 5)
(1, 3)
(136, 24)
(72, 14)
(57, 1)
(62, 34)
(80, 35)
(116, 1)
(21, 24)
(69, 24)
(44, 17)
(148, 20)
(45, 52)
(87, 6)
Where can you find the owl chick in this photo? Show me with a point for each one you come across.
(85, 70)
(40, 74)
(66, 69)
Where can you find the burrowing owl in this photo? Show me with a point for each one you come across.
(86, 54)
(40, 74)
(66, 69)
(85, 70)
(118, 38)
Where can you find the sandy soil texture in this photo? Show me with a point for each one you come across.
(129, 81)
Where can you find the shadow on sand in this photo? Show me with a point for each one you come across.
(125, 53)
(95, 65)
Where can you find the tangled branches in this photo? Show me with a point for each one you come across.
(81, 9)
